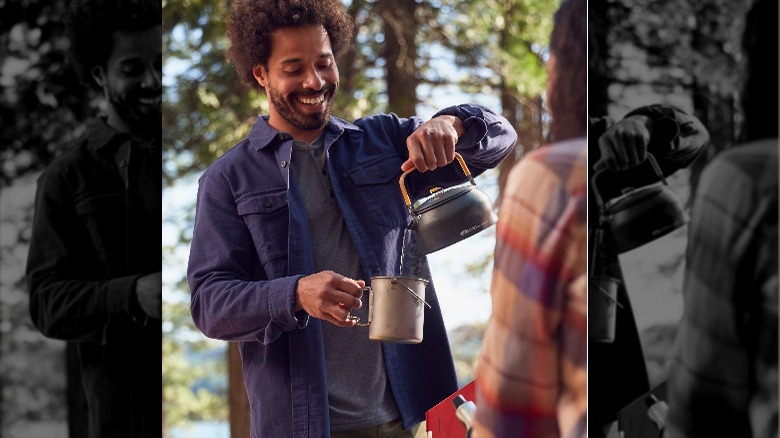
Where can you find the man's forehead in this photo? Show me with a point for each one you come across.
(295, 42)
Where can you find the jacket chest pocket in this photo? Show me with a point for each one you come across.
(103, 217)
(377, 185)
(266, 216)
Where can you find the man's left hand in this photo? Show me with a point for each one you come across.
(432, 145)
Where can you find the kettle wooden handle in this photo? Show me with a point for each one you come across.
(403, 177)
(653, 163)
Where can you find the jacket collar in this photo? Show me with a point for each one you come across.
(263, 135)
(99, 135)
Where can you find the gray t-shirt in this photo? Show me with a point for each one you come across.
(358, 390)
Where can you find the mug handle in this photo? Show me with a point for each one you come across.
(370, 309)
(403, 177)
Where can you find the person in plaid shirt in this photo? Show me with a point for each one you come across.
(531, 371)
(723, 373)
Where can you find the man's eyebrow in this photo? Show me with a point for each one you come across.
(294, 60)
(129, 60)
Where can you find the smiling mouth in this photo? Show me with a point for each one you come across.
(150, 100)
(312, 100)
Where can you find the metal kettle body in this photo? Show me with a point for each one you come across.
(640, 215)
(448, 215)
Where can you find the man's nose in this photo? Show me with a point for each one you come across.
(152, 78)
(313, 80)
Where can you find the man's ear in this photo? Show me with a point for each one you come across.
(261, 75)
(98, 75)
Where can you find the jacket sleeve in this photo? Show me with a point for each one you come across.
(487, 140)
(677, 137)
(66, 301)
(232, 300)
(489, 137)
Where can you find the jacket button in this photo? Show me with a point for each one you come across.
(282, 136)
(267, 203)
(284, 163)
(382, 173)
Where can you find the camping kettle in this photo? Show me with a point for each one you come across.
(640, 214)
(448, 215)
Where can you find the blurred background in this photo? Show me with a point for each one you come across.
(411, 57)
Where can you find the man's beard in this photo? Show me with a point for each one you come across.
(142, 122)
(303, 121)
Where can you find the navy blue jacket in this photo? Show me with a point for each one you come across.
(95, 232)
(251, 245)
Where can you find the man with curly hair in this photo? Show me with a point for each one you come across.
(292, 220)
(94, 266)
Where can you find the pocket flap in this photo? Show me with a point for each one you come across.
(261, 203)
(378, 171)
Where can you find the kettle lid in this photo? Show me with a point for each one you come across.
(633, 196)
(440, 197)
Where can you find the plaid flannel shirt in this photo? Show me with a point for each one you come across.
(723, 374)
(532, 368)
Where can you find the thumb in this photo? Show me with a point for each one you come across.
(600, 165)
(408, 165)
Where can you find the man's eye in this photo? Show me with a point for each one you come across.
(131, 70)
(325, 66)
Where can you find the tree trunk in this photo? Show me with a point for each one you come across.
(525, 115)
(348, 62)
(237, 397)
(717, 114)
(399, 18)
(511, 109)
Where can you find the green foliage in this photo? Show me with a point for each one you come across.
(500, 43)
(42, 104)
(465, 342)
(191, 392)
(29, 393)
(689, 41)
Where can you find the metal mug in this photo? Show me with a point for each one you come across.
(602, 308)
(395, 309)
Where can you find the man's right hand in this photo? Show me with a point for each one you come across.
(148, 290)
(329, 296)
(624, 144)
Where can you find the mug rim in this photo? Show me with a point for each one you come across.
(399, 277)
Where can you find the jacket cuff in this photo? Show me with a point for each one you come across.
(473, 123)
(282, 306)
(121, 299)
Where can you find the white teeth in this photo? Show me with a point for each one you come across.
(150, 100)
(312, 100)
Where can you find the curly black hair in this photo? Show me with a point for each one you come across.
(91, 23)
(251, 22)
(568, 99)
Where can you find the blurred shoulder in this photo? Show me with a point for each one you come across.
(565, 160)
(753, 164)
